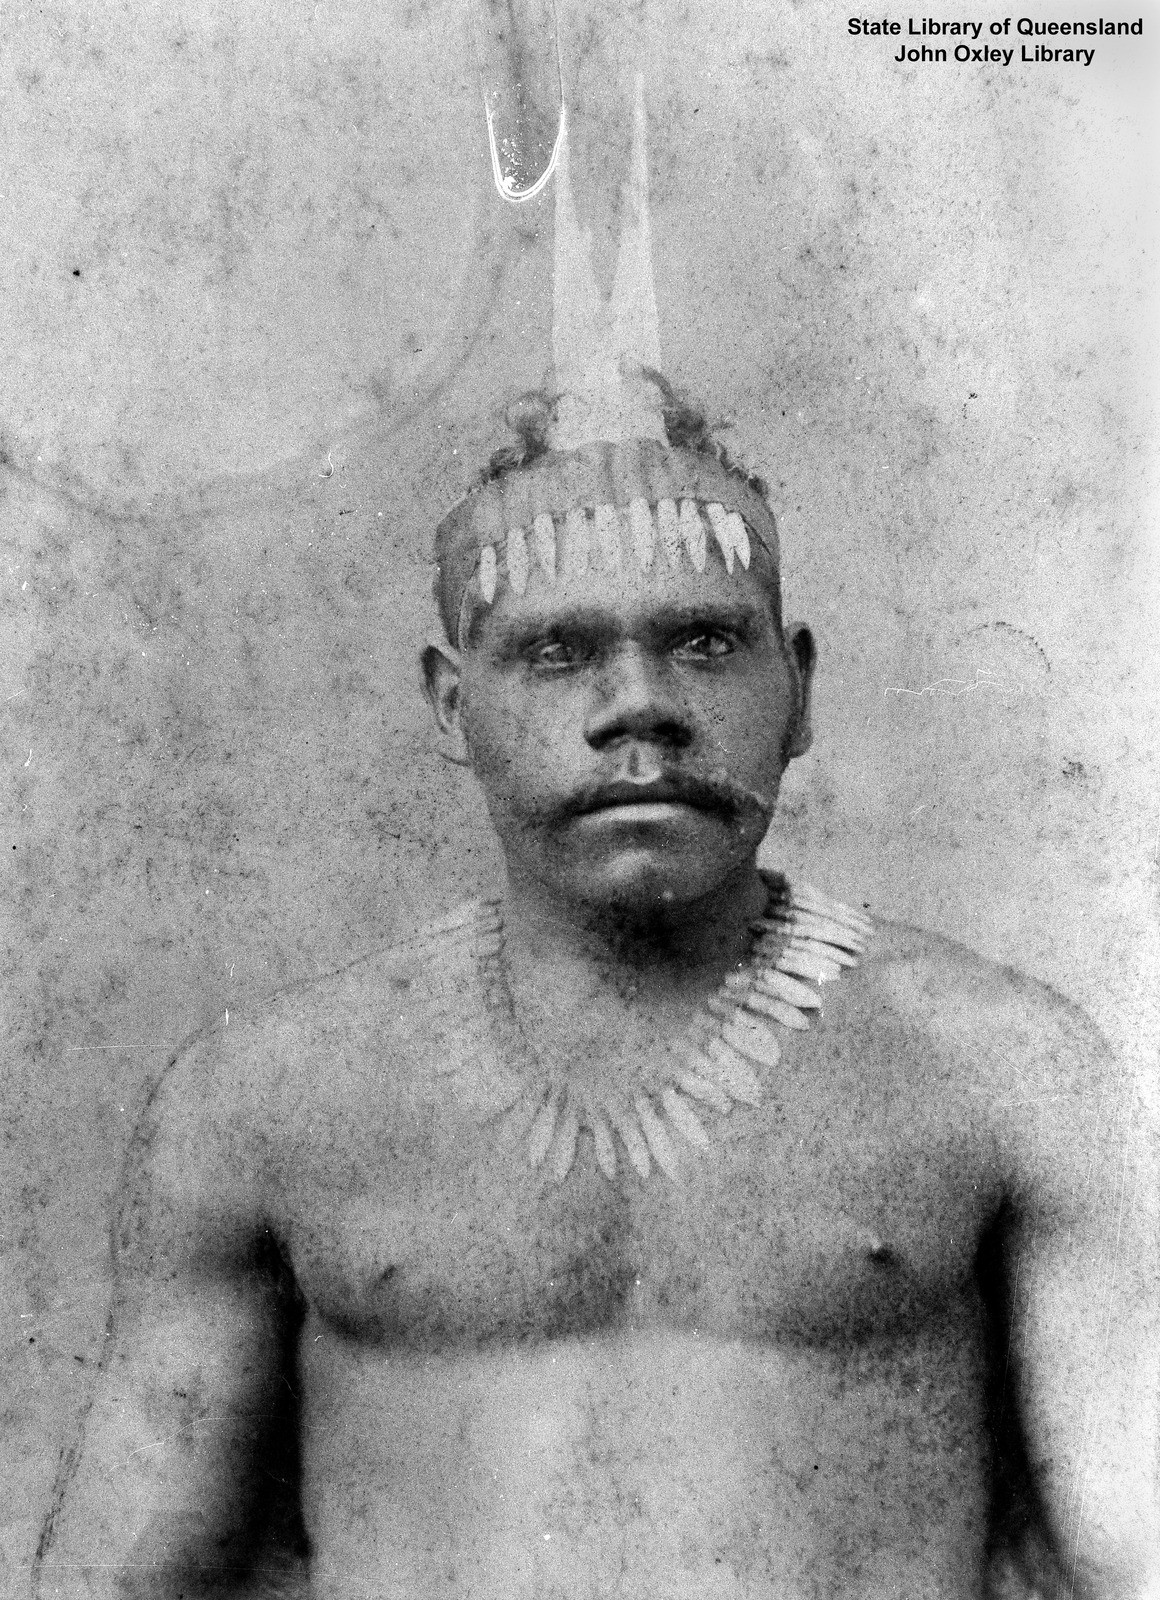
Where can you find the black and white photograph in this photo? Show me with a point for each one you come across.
(580, 701)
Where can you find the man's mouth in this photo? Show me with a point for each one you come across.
(662, 792)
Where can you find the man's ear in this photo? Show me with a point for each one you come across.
(441, 686)
(803, 655)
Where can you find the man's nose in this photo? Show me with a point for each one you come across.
(636, 699)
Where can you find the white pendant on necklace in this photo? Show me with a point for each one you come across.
(656, 1137)
(564, 1153)
(542, 1129)
(682, 1116)
(751, 1036)
(705, 1090)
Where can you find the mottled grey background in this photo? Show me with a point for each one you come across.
(262, 307)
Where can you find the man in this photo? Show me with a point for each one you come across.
(661, 1230)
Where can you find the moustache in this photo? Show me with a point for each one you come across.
(713, 790)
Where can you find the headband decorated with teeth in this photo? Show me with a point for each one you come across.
(609, 489)
(597, 508)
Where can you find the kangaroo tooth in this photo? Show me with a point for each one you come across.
(541, 1131)
(605, 1149)
(472, 914)
(783, 987)
(828, 952)
(659, 1143)
(631, 1137)
(808, 966)
(684, 1118)
(740, 537)
(704, 1089)
(811, 899)
(487, 572)
(517, 559)
(753, 1039)
(693, 533)
(564, 1146)
(814, 927)
(722, 532)
(780, 1010)
(738, 982)
(860, 931)
(731, 1070)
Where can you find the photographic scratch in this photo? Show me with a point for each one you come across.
(77, 1049)
(955, 688)
(508, 183)
(517, 51)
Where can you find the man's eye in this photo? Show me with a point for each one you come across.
(551, 655)
(707, 646)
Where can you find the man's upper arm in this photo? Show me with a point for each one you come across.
(164, 1481)
(1084, 1275)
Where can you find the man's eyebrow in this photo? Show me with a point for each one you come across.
(512, 632)
(743, 615)
(741, 611)
(530, 623)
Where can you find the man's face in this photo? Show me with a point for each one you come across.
(629, 729)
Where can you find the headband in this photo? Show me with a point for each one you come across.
(598, 507)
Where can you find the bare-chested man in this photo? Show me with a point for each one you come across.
(663, 1230)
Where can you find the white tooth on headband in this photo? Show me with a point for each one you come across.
(608, 536)
(669, 526)
(576, 542)
(517, 559)
(487, 572)
(722, 532)
(693, 533)
(544, 540)
(740, 537)
(643, 533)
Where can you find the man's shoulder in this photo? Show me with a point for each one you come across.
(1015, 1058)
(930, 982)
(396, 985)
(941, 985)
(384, 1006)
(241, 1091)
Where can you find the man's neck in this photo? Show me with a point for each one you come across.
(616, 957)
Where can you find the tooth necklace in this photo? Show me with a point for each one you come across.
(803, 940)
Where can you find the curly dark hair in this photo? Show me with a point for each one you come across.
(686, 428)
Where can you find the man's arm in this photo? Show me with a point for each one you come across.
(160, 1495)
(1084, 1285)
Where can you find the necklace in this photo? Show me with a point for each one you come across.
(804, 940)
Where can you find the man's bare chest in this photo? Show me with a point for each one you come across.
(820, 1217)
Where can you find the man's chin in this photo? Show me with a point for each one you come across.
(644, 880)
